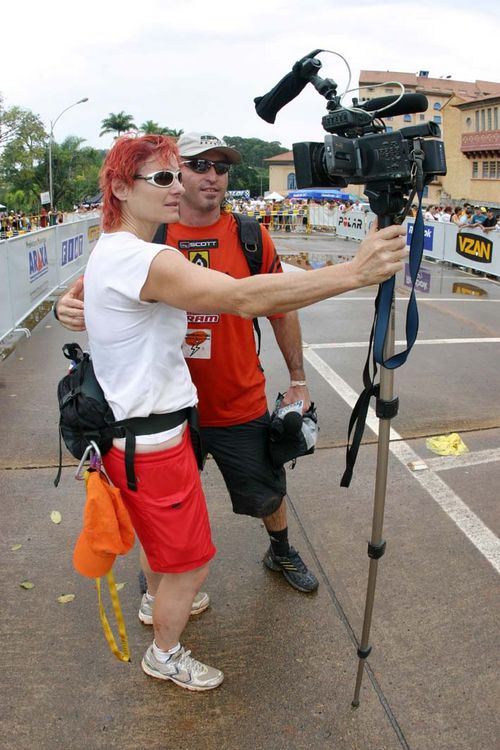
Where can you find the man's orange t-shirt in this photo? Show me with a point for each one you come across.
(219, 348)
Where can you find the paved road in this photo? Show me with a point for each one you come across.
(290, 660)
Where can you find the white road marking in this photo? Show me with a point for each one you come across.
(479, 300)
(467, 521)
(418, 342)
(441, 463)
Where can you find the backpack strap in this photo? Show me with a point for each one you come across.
(160, 234)
(250, 237)
(133, 426)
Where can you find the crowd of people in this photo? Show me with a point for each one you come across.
(466, 216)
(277, 215)
(289, 213)
(13, 223)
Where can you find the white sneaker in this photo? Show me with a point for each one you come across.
(200, 603)
(182, 669)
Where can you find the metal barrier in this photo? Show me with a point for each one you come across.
(33, 266)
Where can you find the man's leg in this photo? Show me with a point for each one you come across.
(255, 486)
(281, 556)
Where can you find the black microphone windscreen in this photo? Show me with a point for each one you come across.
(408, 104)
(292, 422)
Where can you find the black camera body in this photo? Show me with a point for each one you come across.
(374, 157)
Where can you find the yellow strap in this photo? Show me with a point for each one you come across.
(124, 654)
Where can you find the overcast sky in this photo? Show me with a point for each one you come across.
(198, 65)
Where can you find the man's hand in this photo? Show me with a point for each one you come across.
(297, 393)
(70, 307)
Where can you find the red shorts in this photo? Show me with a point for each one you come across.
(168, 511)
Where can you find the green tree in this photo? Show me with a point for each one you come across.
(24, 149)
(152, 127)
(254, 151)
(117, 123)
(75, 172)
(173, 132)
(252, 174)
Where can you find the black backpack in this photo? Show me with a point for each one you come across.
(85, 417)
(250, 237)
(84, 412)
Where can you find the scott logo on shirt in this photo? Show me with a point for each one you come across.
(198, 244)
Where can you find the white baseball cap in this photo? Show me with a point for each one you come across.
(196, 144)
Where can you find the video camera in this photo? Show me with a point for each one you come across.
(358, 149)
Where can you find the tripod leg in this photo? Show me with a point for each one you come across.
(386, 409)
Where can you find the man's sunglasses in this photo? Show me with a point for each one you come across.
(163, 178)
(200, 166)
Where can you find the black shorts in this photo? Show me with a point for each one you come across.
(242, 454)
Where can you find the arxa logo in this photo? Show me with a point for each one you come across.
(475, 248)
(38, 262)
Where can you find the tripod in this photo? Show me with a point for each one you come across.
(387, 203)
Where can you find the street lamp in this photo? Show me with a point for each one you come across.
(51, 138)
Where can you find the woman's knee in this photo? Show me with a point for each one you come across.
(200, 574)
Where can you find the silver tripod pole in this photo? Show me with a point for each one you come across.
(376, 546)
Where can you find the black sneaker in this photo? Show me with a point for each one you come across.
(293, 568)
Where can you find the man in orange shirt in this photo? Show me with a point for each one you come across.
(221, 354)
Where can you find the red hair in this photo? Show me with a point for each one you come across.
(122, 162)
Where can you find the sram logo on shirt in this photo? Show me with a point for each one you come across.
(203, 318)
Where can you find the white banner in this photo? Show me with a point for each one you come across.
(32, 271)
(6, 318)
(473, 248)
(34, 265)
(434, 237)
(353, 224)
(322, 216)
(469, 248)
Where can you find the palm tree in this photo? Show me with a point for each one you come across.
(150, 127)
(173, 132)
(117, 123)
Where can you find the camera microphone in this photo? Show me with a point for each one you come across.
(289, 87)
(292, 422)
(406, 105)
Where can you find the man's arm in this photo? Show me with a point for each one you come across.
(289, 339)
(69, 308)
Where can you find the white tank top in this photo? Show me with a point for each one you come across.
(136, 346)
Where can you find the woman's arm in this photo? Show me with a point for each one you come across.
(177, 282)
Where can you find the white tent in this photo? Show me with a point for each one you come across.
(2, 206)
(273, 197)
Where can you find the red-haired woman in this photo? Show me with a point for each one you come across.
(136, 295)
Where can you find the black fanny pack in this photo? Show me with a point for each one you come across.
(85, 416)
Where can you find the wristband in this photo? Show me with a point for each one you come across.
(54, 310)
(296, 383)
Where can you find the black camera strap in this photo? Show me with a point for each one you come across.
(378, 334)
